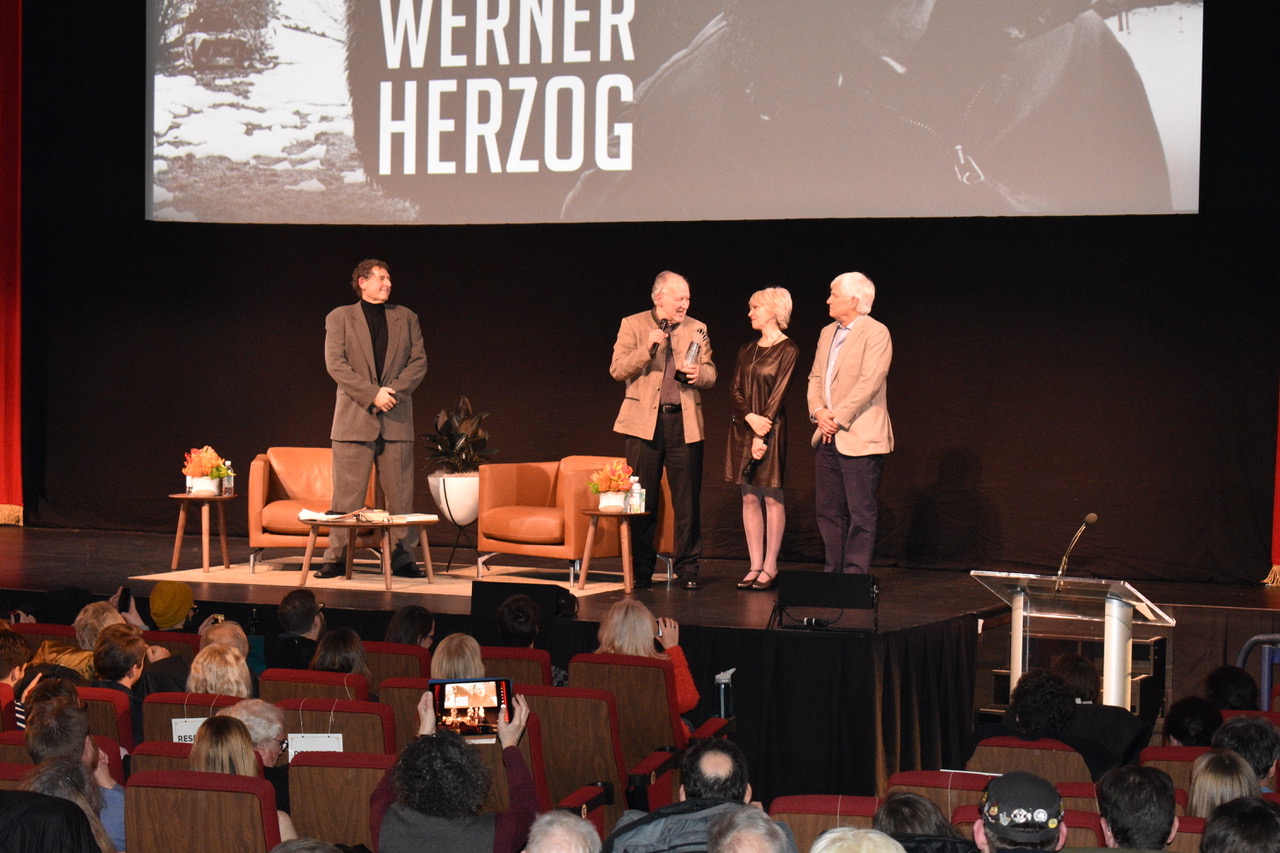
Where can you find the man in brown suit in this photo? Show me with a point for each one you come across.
(374, 352)
(661, 416)
(847, 402)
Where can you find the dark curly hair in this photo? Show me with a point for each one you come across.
(441, 775)
(1042, 704)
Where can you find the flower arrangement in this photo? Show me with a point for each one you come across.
(614, 477)
(204, 462)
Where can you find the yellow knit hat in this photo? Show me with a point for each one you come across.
(170, 603)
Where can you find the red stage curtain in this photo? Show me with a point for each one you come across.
(10, 262)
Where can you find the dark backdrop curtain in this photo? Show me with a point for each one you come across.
(10, 263)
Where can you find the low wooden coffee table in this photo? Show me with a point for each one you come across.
(624, 537)
(385, 527)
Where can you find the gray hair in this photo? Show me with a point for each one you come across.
(858, 285)
(660, 282)
(848, 839)
(305, 845)
(263, 720)
(559, 831)
(227, 634)
(747, 830)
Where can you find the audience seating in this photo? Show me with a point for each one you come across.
(1046, 757)
(945, 788)
(402, 695)
(11, 775)
(645, 690)
(531, 748)
(365, 726)
(275, 685)
(1084, 829)
(180, 644)
(159, 710)
(810, 815)
(522, 666)
(109, 714)
(1174, 760)
(1081, 796)
(13, 750)
(199, 813)
(395, 660)
(160, 755)
(1190, 831)
(329, 794)
(285, 480)
(36, 633)
(8, 715)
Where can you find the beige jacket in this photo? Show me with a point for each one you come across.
(631, 364)
(857, 387)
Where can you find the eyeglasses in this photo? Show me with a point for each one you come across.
(284, 743)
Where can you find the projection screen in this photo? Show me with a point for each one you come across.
(510, 111)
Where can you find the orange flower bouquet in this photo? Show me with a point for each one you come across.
(614, 477)
(204, 462)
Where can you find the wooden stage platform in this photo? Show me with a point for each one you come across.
(855, 706)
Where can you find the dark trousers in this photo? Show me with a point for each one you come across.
(844, 490)
(684, 472)
(352, 462)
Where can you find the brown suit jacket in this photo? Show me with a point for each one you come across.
(857, 387)
(631, 364)
(348, 356)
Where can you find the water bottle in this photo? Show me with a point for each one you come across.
(229, 481)
(635, 496)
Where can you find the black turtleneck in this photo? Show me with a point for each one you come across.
(375, 314)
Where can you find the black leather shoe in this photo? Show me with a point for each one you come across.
(691, 582)
(641, 583)
(329, 570)
(408, 570)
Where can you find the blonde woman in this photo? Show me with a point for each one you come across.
(220, 669)
(457, 656)
(756, 453)
(847, 839)
(223, 745)
(1217, 777)
(629, 628)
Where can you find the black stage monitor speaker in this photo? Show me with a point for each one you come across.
(554, 602)
(800, 593)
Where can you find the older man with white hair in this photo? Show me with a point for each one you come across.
(847, 402)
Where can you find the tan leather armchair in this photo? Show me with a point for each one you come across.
(283, 481)
(535, 509)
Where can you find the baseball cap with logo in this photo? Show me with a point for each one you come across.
(1021, 806)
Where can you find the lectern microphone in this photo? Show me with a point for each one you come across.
(1089, 520)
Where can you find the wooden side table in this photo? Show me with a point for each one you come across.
(185, 500)
(624, 537)
(385, 527)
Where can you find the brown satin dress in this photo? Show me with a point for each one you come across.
(760, 381)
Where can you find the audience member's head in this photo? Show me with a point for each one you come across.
(457, 656)
(1245, 825)
(1080, 676)
(559, 831)
(1231, 688)
(341, 650)
(441, 776)
(747, 830)
(49, 689)
(222, 745)
(1042, 704)
(715, 767)
(299, 614)
(628, 628)
(226, 633)
(91, 620)
(848, 839)
(1191, 721)
(517, 619)
(220, 669)
(69, 779)
(904, 813)
(265, 723)
(305, 845)
(412, 625)
(59, 728)
(171, 604)
(1137, 807)
(119, 654)
(1255, 739)
(14, 654)
(1020, 810)
(1218, 777)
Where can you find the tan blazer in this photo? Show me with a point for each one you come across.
(348, 356)
(857, 387)
(631, 364)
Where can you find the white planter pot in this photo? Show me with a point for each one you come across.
(205, 486)
(457, 496)
(613, 501)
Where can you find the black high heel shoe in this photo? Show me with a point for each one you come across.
(749, 581)
(768, 584)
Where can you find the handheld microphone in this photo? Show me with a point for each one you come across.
(653, 348)
(1089, 520)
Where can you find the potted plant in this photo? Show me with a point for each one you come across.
(457, 448)
(206, 471)
(611, 483)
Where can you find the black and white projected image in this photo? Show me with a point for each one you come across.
(492, 111)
